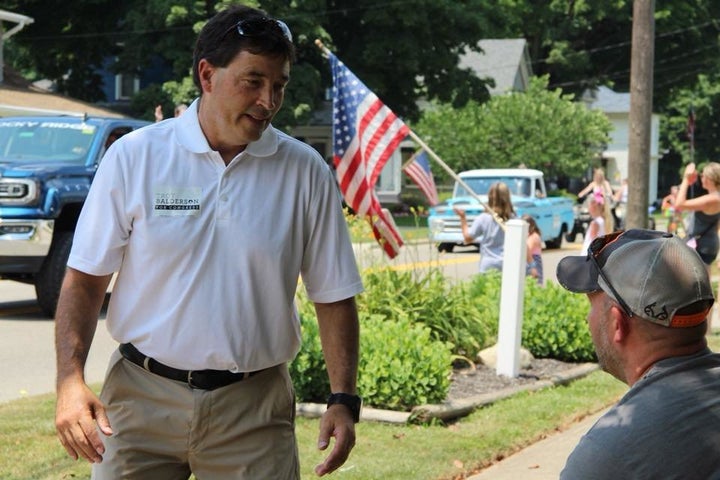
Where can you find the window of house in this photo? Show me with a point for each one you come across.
(126, 86)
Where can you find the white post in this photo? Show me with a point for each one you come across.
(511, 298)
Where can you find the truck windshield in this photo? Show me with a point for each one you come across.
(520, 187)
(51, 141)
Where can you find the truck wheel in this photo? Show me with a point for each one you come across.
(578, 229)
(446, 247)
(49, 279)
(557, 241)
(570, 237)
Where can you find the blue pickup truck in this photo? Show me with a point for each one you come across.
(46, 167)
(554, 215)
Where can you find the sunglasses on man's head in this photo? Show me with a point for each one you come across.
(596, 247)
(253, 27)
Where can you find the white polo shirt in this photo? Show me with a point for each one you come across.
(209, 256)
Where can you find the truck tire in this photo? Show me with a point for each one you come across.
(446, 247)
(572, 235)
(49, 279)
(557, 241)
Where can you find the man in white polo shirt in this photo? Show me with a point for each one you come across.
(209, 219)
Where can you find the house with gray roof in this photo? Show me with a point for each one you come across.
(505, 60)
(616, 106)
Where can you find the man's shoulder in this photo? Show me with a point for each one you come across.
(288, 141)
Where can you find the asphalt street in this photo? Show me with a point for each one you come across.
(27, 345)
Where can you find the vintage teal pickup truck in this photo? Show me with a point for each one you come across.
(554, 215)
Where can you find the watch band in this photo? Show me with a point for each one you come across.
(353, 402)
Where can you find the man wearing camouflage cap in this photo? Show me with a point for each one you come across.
(649, 297)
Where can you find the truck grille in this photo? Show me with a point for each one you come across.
(17, 191)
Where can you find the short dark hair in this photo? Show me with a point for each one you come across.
(218, 43)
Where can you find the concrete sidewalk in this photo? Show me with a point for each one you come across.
(543, 460)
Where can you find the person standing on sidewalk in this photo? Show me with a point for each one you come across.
(650, 295)
(209, 220)
(487, 230)
(705, 210)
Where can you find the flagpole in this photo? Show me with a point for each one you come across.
(322, 46)
(457, 178)
(434, 156)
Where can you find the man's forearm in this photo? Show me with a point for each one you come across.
(76, 319)
(339, 334)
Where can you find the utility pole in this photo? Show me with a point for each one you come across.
(641, 94)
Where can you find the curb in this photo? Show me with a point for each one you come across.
(455, 409)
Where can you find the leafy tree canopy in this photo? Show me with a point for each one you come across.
(585, 43)
(402, 49)
(703, 98)
(540, 128)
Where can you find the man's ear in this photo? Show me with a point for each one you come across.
(620, 324)
(205, 73)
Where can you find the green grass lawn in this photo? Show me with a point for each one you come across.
(30, 450)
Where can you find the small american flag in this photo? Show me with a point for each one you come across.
(365, 134)
(418, 169)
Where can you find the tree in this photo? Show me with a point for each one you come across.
(703, 98)
(407, 50)
(395, 55)
(585, 43)
(402, 49)
(68, 42)
(540, 128)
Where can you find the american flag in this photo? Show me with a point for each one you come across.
(418, 168)
(365, 134)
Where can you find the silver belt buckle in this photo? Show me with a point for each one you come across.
(189, 380)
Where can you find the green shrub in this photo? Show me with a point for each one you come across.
(412, 323)
(484, 291)
(308, 370)
(554, 323)
(401, 366)
(449, 310)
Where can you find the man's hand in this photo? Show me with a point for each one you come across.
(336, 422)
(77, 415)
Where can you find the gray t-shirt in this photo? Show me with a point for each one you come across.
(491, 237)
(667, 426)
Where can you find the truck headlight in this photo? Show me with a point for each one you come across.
(436, 225)
(17, 191)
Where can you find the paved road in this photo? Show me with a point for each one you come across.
(27, 346)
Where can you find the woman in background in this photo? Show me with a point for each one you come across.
(600, 187)
(598, 184)
(534, 250)
(486, 229)
(703, 235)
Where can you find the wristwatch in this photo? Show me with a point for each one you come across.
(353, 402)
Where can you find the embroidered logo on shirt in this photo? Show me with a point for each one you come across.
(176, 201)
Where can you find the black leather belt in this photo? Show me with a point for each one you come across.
(199, 379)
